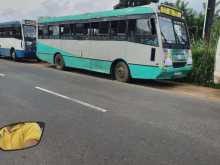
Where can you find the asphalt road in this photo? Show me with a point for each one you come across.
(91, 120)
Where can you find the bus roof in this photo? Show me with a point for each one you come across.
(10, 24)
(103, 14)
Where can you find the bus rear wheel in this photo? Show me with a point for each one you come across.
(59, 62)
(13, 55)
(121, 72)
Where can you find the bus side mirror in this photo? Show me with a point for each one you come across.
(20, 136)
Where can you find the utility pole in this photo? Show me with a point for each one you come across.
(209, 15)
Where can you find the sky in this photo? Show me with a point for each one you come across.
(32, 9)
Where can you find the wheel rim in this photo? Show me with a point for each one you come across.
(59, 62)
(121, 72)
(13, 55)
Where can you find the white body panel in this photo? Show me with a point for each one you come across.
(11, 42)
(132, 53)
(217, 64)
(8, 43)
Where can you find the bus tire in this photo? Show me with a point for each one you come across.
(59, 62)
(121, 72)
(38, 60)
(13, 54)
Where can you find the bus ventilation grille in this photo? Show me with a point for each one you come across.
(179, 64)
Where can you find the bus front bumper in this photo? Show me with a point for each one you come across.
(161, 73)
(25, 54)
(174, 73)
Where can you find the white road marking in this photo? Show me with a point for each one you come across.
(73, 100)
(2, 75)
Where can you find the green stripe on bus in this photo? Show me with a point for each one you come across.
(46, 53)
(111, 13)
(144, 72)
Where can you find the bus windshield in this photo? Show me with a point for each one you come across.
(29, 31)
(174, 33)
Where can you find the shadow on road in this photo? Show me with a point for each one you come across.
(29, 61)
(147, 83)
(24, 61)
(159, 84)
(170, 86)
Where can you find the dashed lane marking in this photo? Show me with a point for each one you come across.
(73, 100)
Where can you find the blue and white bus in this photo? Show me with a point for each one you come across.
(18, 39)
(141, 42)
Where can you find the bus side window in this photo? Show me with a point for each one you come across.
(54, 32)
(104, 28)
(79, 29)
(17, 33)
(64, 31)
(86, 30)
(146, 31)
(122, 27)
(113, 29)
(2, 32)
(143, 27)
(94, 30)
(40, 32)
(43, 32)
(82, 31)
(131, 29)
(72, 30)
(118, 30)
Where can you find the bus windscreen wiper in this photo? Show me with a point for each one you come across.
(185, 41)
(177, 36)
(163, 36)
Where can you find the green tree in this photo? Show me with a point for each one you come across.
(184, 6)
(194, 20)
(133, 3)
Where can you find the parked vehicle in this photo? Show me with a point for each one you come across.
(18, 39)
(139, 42)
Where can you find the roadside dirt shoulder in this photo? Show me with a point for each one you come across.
(193, 90)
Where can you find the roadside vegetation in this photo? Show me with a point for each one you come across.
(204, 58)
(203, 52)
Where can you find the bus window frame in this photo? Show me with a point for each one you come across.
(11, 29)
(28, 25)
(120, 36)
(175, 45)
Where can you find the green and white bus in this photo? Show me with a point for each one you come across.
(140, 42)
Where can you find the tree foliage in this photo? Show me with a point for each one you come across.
(133, 3)
(194, 20)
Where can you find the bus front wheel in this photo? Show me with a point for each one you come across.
(121, 72)
(13, 55)
(59, 62)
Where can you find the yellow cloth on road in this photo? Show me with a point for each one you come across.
(19, 135)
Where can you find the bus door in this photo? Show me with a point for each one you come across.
(29, 36)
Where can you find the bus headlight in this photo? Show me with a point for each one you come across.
(168, 58)
(189, 59)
